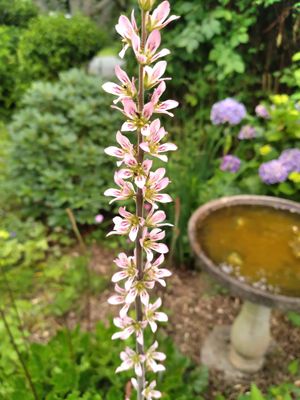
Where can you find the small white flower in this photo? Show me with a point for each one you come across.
(152, 315)
(152, 356)
(131, 359)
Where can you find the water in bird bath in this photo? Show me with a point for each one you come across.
(258, 245)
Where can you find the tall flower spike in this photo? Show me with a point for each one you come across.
(139, 272)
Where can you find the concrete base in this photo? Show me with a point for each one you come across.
(250, 337)
(215, 354)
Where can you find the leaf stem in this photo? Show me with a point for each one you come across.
(22, 362)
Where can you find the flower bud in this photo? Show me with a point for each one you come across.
(146, 5)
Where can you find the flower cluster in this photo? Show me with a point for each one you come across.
(247, 132)
(230, 163)
(261, 111)
(227, 111)
(277, 171)
(136, 180)
(287, 165)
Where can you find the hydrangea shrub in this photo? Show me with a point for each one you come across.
(264, 150)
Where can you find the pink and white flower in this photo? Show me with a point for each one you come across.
(152, 315)
(129, 326)
(155, 184)
(155, 218)
(127, 90)
(136, 181)
(140, 288)
(118, 299)
(152, 356)
(125, 192)
(154, 134)
(129, 270)
(127, 29)
(149, 242)
(149, 392)
(135, 120)
(148, 55)
(131, 359)
(140, 172)
(125, 152)
(165, 106)
(153, 273)
(128, 225)
(159, 18)
(153, 75)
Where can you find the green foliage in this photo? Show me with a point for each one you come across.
(57, 159)
(291, 76)
(293, 367)
(198, 148)
(18, 250)
(285, 391)
(76, 365)
(220, 47)
(9, 37)
(294, 318)
(17, 12)
(55, 43)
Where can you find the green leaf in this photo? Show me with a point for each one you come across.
(293, 367)
(294, 318)
(256, 394)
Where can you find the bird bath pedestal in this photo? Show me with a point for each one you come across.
(251, 245)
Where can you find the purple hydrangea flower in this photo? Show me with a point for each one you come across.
(99, 219)
(247, 132)
(228, 110)
(273, 172)
(230, 163)
(262, 112)
(290, 158)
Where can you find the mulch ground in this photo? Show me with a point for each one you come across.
(195, 304)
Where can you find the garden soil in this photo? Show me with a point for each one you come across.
(195, 304)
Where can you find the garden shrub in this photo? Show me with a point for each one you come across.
(222, 47)
(17, 12)
(273, 138)
(56, 43)
(57, 159)
(77, 365)
(9, 37)
(17, 249)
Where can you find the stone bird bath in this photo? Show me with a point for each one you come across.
(251, 245)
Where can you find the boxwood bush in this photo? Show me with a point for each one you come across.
(54, 43)
(57, 159)
(9, 37)
(17, 12)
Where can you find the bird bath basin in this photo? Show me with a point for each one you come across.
(251, 245)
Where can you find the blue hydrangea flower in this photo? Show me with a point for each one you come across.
(228, 110)
(290, 158)
(273, 172)
(262, 112)
(230, 163)
(247, 132)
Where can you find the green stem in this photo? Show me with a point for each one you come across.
(140, 210)
(14, 305)
(88, 275)
(22, 362)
